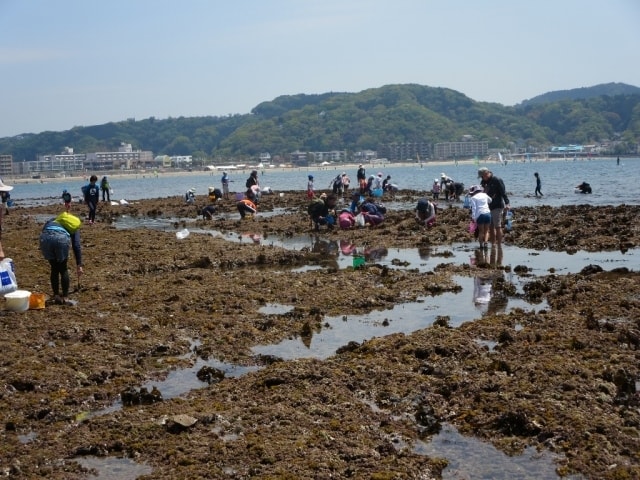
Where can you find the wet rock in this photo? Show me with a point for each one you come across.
(268, 359)
(274, 382)
(516, 423)
(428, 423)
(349, 347)
(591, 269)
(130, 396)
(210, 375)
(204, 262)
(180, 423)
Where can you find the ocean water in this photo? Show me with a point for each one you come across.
(612, 184)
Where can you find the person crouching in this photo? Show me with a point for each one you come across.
(426, 212)
(322, 211)
(246, 207)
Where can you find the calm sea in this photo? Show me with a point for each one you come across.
(612, 184)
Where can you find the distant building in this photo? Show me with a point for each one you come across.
(124, 159)
(265, 158)
(365, 156)
(447, 150)
(6, 165)
(181, 161)
(54, 164)
(299, 158)
(334, 156)
(162, 161)
(397, 152)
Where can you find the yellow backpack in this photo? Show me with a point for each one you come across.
(70, 222)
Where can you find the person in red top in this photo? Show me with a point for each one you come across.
(246, 206)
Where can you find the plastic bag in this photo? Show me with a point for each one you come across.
(360, 221)
(472, 226)
(509, 216)
(182, 234)
(8, 282)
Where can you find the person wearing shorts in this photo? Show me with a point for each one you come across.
(494, 187)
(480, 213)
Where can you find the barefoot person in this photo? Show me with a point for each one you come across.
(480, 213)
(494, 187)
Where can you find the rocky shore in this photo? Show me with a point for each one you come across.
(561, 379)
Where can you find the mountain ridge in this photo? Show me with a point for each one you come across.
(397, 113)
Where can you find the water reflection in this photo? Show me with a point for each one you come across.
(471, 459)
(537, 262)
(338, 331)
(109, 468)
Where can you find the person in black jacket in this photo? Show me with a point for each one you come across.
(584, 187)
(361, 176)
(494, 187)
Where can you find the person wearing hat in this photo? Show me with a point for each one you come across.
(435, 190)
(494, 187)
(4, 192)
(480, 213)
(446, 185)
(190, 196)
(361, 176)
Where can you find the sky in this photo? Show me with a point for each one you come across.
(68, 63)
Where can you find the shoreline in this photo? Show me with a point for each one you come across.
(22, 180)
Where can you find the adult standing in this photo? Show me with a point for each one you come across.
(91, 197)
(494, 187)
(361, 176)
(225, 186)
(106, 189)
(56, 237)
(252, 180)
(4, 191)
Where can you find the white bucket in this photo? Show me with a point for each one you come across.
(18, 301)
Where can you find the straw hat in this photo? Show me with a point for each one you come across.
(5, 188)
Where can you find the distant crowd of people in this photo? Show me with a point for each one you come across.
(487, 201)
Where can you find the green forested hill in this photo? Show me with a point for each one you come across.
(610, 89)
(356, 121)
